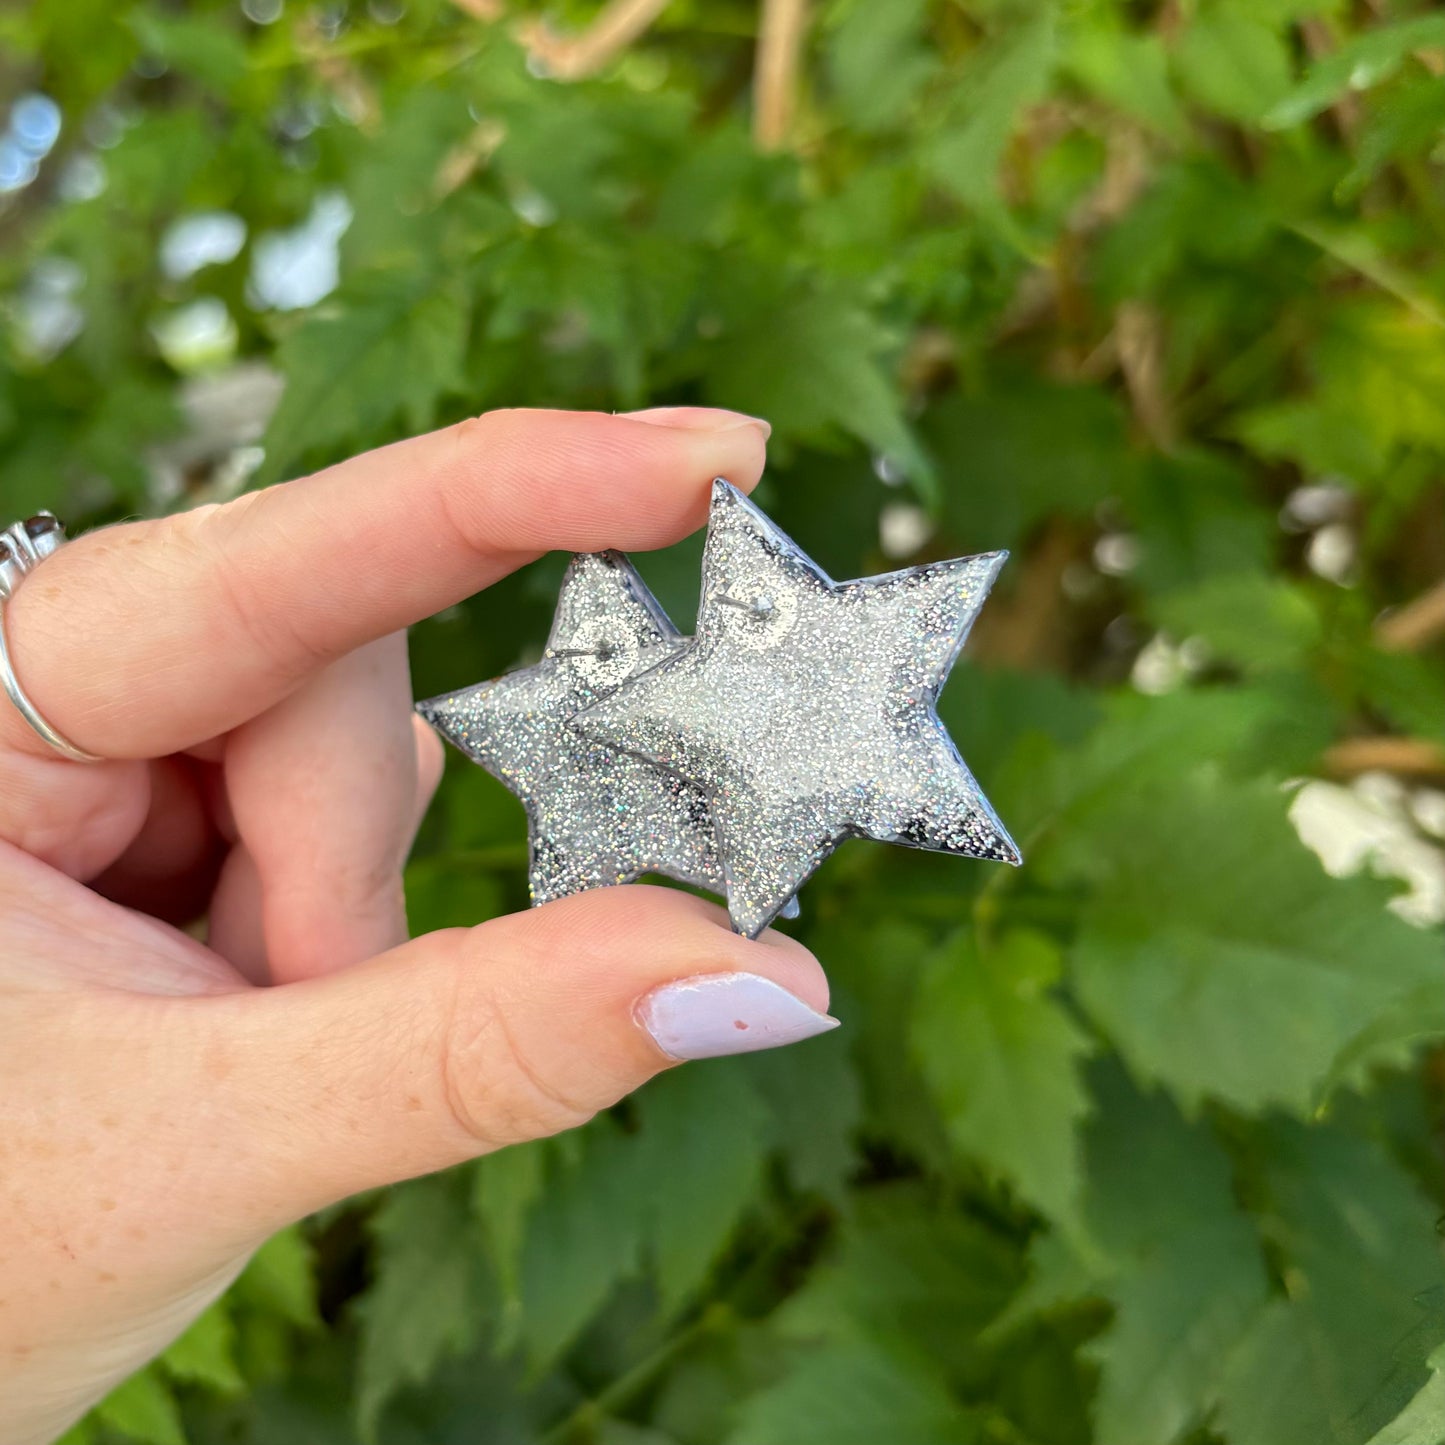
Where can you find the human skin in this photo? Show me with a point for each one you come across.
(166, 1105)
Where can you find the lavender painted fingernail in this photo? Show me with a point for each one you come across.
(727, 1013)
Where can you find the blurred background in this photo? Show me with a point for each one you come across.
(1138, 1144)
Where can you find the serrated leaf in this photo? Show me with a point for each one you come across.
(206, 1353)
(856, 1395)
(428, 1301)
(1169, 1248)
(583, 1239)
(987, 709)
(1344, 1351)
(1140, 744)
(811, 365)
(505, 1186)
(143, 1410)
(1220, 958)
(702, 1178)
(382, 350)
(1195, 515)
(815, 1102)
(1022, 450)
(1259, 622)
(1389, 1039)
(907, 1271)
(1183, 1270)
(1314, 434)
(395, 187)
(1012, 72)
(1002, 1059)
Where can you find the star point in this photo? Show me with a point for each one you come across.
(595, 816)
(804, 708)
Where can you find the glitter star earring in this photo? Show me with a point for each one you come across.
(595, 816)
(804, 709)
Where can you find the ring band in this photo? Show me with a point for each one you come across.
(22, 548)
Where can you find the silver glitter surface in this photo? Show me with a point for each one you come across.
(596, 816)
(805, 709)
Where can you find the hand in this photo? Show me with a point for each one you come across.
(242, 668)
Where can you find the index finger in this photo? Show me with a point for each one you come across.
(150, 637)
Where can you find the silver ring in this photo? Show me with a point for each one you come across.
(22, 548)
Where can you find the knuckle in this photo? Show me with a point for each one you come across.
(474, 513)
(516, 476)
(494, 1090)
(79, 829)
(221, 537)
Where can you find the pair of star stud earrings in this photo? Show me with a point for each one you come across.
(801, 713)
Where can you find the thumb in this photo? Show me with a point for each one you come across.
(462, 1042)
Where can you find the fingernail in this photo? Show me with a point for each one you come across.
(727, 1013)
(699, 418)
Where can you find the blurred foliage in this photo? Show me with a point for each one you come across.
(1136, 1144)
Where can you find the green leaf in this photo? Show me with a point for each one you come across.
(1384, 367)
(1169, 1249)
(1377, 369)
(1002, 1058)
(1362, 62)
(1219, 957)
(428, 1301)
(702, 1179)
(453, 891)
(1405, 122)
(1021, 450)
(279, 1280)
(1422, 1421)
(1315, 435)
(814, 1099)
(1184, 1270)
(207, 49)
(811, 366)
(1196, 517)
(1075, 797)
(206, 1353)
(398, 221)
(1012, 72)
(907, 1272)
(878, 60)
(987, 711)
(1344, 1351)
(144, 1410)
(856, 1395)
(506, 1185)
(1128, 69)
(583, 1238)
(383, 351)
(1233, 61)
(704, 1139)
(83, 1432)
(1259, 622)
(1389, 1039)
